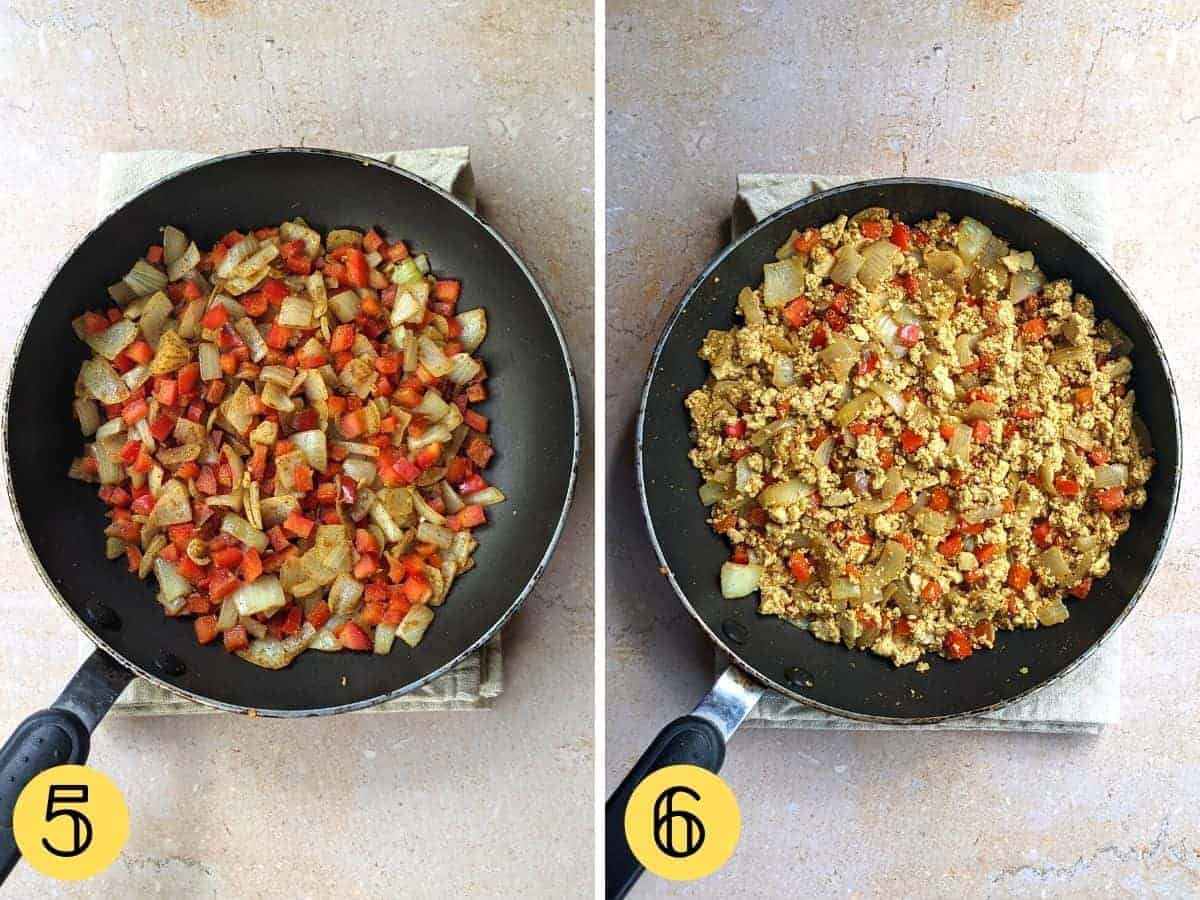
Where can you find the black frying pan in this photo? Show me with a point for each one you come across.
(778, 655)
(532, 406)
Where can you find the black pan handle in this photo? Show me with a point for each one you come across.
(698, 740)
(60, 735)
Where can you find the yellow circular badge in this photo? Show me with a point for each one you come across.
(71, 822)
(682, 822)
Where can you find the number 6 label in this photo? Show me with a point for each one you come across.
(682, 822)
(71, 822)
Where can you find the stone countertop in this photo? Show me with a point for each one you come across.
(699, 91)
(419, 804)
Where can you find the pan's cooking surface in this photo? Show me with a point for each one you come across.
(852, 682)
(532, 407)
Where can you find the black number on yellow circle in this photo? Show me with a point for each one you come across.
(682, 822)
(59, 796)
(70, 822)
(677, 832)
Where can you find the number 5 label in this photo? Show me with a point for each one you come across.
(682, 822)
(71, 822)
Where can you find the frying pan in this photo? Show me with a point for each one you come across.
(532, 406)
(766, 651)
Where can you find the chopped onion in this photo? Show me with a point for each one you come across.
(1111, 475)
(489, 496)
(945, 263)
(253, 338)
(1052, 612)
(463, 368)
(143, 279)
(844, 589)
(984, 513)
(88, 414)
(242, 530)
(846, 263)
(749, 305)
(932, 523)
(973, 236)
(236, 254)
(1024, 283)
(210, 362)
(432, 357)
(1079, 437)
(1069, 355)
(738, 579)
(270, 653)
(473, 324)
(980, 409)
(414, 624)
(964, 348)
(1056, 564)
(783, 373)
(103, 382)
(429, 533)
(171, 584)
(174, 244)
(782, 282)
(295, 312)
(312, 444)
(840, 356)
(187, 261)
(113, 339)
(960, 443)
(879, 262)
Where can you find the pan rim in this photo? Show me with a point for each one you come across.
(101, 644)
(714, 263)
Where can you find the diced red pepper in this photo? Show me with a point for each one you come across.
(215, 317)
(274, 290)
(735, 429)
(353, 638)
(470, 516)
(910, 441)
(206, 629)
(227, 557)
(951, 546)
(1067, 487)
(236, 638)
(956, 644)
(166, 391)
(251, 566)
(298, 525)
(981, 431)
(900, 235)
(355, 265)
(222, 583)
(140, 352)
(807, 240)
(447, 290)
(1043, 534)
(909, 335)
(1018, 576)
(1033, 329)
(1110, 499)
(798, 312)
(187, 379)
(1081, 590)
(800, 566)
(871, 230)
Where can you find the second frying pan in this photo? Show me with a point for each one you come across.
(532, 406)
(780, 656)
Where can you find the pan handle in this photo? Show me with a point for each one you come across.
(57, 736)
(698, 740)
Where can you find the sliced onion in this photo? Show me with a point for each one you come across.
(932, 523)
(295, 312)
(783, 372)
(891, 397)
(103, 382)
(187, 261)
(739, 579)
(840, 356)
(964, 348)
(1052, 612)
(174, 243)
(210, 362)
(438, 535)
(824, 453)
(784, 493)
(891, 564)
(464, 368)
(171, 584)
(854, 408)
(236, 254)
(245, 532)
(414, 624)
(844, 589)
(143, 279)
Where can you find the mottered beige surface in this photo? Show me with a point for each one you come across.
(419, 804)
(701, 91)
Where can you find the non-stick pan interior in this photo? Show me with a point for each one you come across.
(531, 406)
(852, 682)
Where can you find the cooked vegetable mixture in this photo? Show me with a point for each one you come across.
(282, 429)
(914, 440)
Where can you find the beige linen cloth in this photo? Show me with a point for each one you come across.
(1088, 698)
(477, 680)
